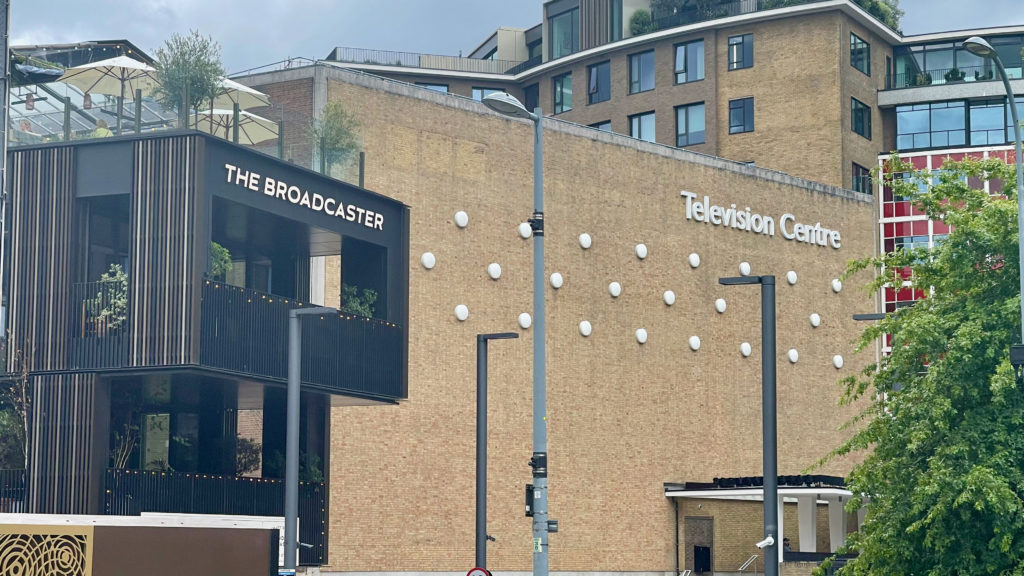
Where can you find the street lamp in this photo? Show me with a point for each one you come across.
(481, 442)
(291, 456)
(507, 105)
(772, 541)
(978, 46)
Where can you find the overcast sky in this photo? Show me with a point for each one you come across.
(257, 32)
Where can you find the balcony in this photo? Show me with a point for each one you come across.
(245, 332)
(132, 492)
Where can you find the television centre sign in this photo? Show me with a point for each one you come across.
(701, 209)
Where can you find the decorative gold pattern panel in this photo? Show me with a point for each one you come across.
(23, 554)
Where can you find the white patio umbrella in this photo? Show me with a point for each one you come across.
(112, 76)
(232, 93)
(252, 129)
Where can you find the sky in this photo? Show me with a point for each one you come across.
(258, 32)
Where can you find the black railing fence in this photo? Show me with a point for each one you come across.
(941, 76)
(131, 492)
(12, 491)
(99, 324)
(416, 60)
(246, 331)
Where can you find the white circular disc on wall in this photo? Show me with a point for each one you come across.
(791, 277)
(525, 320)
(615, 289)
(745, 349)
(694, 343)
(694, 260)
(720, 305)
(556, 280)
(462, 312)
(669, 297)
(585, 328)
(428, 260)
(837, 285)
(793, 355)
(641, 251)
(585, 241)
(461, 219)
(745, 268)
(837, 361)
(494, 270)
(815, 320)
(641, 335)
(525, 231)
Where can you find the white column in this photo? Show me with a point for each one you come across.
(836, 523)
(807, 512)
(317, 279)
(781, 531)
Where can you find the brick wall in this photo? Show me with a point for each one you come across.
(622, 417)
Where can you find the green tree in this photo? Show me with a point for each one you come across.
(358, 302)
(334, 135)
(943, 426)
(220, 261)
(887, 11)
(640, 22)
(15, 408)
(188, 69)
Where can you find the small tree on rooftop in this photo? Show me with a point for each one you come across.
(334, 135)
(188, 70)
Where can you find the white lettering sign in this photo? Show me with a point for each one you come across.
(284, 191)
(702, 210)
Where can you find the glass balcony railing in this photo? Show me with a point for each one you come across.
(942, 76)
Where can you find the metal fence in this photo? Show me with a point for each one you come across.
(12, 491)
(99, 324)
(131, 492)
(941, 76)
(429, 61)
(246, 331)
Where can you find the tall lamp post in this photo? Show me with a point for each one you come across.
(507, 105)
(291, 456)
(481, 442)
(978, 46)
(772, 554)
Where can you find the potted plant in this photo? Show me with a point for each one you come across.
(981, 76)
(922, 79)
(108, 310)
(954, 75)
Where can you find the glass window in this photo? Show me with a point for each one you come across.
(563, 92)
(605, 126)
(937, 124)
(434, 87)
(615, 21)
(860, 117)
(690, 62)
(565, 33)
(599, 87)
(988, 122)
(535, 49)
(690, 124)
(641, 72)
(479, 93)
(741, 51)
(741, 115)
(861, 179)
(860, 54)
(531, 96)
(641, 126)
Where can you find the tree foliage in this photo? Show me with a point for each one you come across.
(640, 22)
(334, 134)
(944, 423)
(220, 261)
(358, 302)
(188, 65)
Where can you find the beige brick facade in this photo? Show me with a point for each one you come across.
(623, 418)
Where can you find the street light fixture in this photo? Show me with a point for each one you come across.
(508, 105)
(978, 46)
(772, 538)
(481, 442)
(291, 457)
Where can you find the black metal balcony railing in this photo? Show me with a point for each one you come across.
(99, 324)
(428, 61)
(941, 76)
(246, 331)
(131, 492)
(12, 491)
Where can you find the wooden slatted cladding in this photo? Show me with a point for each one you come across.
(41, 257)
(162, 293)
(67, 440)
(594, 23)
